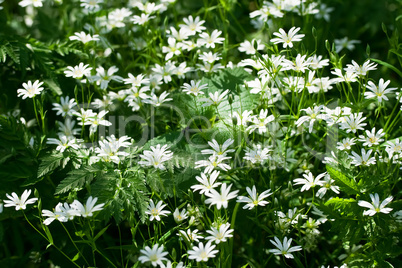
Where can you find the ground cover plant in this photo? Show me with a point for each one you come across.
(175, 133)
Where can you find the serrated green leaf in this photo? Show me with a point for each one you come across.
(49, 164)
(53, 86)
(75, 179)
(345, 183)
(3, 54)
(10, 52)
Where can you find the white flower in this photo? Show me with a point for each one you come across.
(35, 3)
(84, 38)
(345, 144)
(180, 216)
(361, 70)
(173, 48)
(206, 183)
(394, 149)
(363, 160)
(254, 199)
(67, 128)
(309, 181)
(257, 154)
(51, 216)
(30, 90)
(65, 107)
(260, 122)
(218, 149)
(328, 183)
(292, 217)
(84, 116)
(300, 64)
(248, 47)
(156, 211)
(170, 265)
(375, 206)
(194, 88)
(62, 213)
(348, 77)
(109, 149)
(180, 35)
(64, 142)
(209, 57)
(244, 118)
(91, 5)
(141, 20)
(202, 253)
(312, 115)
(89, 208)
(193, 25)
(345, 43)
(155, 255)
(78, 71)
(287, 38)
(284, 249)
(316, 62)
(353, 122)
(221, 199)
(157, 101)
(214, 98)
(209, 41)
(156, 157)
(166, 71)
(136, 81)
(103, 77)
(378, 91)
(220, 234)
(19, 203)
(189, 235)
(372, 138)
(97, 120)
(213, 162)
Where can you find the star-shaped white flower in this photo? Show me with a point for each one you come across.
(19, 203)
(375, 206)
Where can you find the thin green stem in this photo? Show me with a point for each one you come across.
(64, 254)
(75, 245)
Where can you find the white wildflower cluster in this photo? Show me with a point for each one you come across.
(64, 212)
(263, 133)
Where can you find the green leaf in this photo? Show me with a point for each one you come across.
(386, 64)
(76, 179)
(172, 139)
(50, 163)
(345, 183)
(11, 171)
(53, 86)
(3, 54)
(100, 233)
(10, 52)
(75, 257)
(48, 234)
